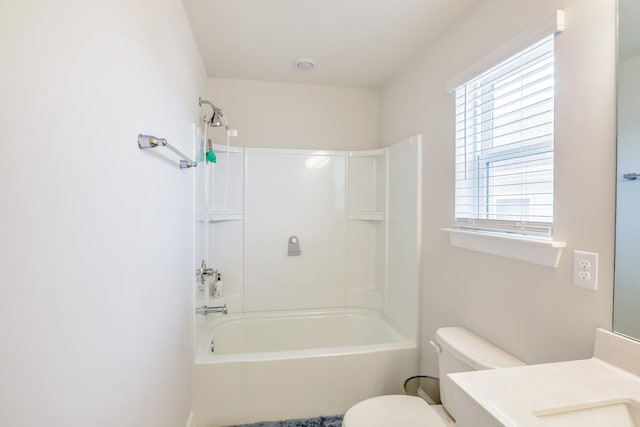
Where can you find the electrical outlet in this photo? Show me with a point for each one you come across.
(584, 264)
(585, 270)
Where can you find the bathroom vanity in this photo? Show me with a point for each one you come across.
(603, 391)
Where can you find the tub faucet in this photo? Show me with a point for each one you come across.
(205, 309)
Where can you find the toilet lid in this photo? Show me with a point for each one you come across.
(392, 411)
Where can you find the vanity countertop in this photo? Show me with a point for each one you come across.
(518, 396)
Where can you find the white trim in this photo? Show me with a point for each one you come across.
(190, 420)
(554, 24)
(539, 251)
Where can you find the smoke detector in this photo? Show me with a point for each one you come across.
(305, 64)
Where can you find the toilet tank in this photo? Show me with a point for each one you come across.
(460, 350)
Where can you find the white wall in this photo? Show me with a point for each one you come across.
(532, 311)
(286, 115)
(96, 234)
(294, 194)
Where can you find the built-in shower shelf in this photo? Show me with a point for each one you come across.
(222, 148)
(226, 216)
(219, 216)
(368, 153)
(367, 215)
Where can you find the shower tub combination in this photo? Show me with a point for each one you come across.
(295, 364)
(294, 345)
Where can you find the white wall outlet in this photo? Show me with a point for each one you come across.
(585, 270)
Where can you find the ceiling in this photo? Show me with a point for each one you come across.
(357, 43)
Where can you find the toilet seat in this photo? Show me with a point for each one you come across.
(392, 411)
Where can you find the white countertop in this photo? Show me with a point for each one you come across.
(513, 396)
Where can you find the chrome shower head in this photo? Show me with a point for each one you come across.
(216, 119)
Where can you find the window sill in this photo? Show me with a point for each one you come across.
(535, 250)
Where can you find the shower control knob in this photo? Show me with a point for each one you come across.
(203, 272)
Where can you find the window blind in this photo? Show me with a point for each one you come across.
(504, 144)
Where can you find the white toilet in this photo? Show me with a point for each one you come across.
(459, 350)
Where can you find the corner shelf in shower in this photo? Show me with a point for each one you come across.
(222, 148)
(368, 153)
(367, 185)
(367, 215)
(219, 216)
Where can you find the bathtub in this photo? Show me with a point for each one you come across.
(295, 364)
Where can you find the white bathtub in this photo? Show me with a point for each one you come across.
(279, 365)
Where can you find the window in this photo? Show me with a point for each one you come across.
(504, 145)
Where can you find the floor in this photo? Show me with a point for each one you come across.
(332, 421)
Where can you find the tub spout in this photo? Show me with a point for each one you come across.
(204, 310)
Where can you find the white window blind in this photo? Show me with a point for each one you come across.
(504, 145)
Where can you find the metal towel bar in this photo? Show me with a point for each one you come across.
(148, 141)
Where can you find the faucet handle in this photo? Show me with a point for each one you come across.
(203, 272)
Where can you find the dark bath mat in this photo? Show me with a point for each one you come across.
(333, 421)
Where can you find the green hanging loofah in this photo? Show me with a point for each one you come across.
(211, 156)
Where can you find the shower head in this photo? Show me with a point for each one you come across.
(216, 119)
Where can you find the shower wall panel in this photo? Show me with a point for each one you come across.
(367, 227)
(294, 193)
(224, 224)
(356, 215)
(405, 234)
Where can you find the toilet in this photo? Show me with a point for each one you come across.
(459, 350)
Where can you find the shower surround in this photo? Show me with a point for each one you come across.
(356, 218)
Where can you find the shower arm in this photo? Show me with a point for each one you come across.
(148, 141)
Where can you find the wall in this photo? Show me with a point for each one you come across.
(294, 194)
(285, 115)
(532, 311)
(96, 234)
